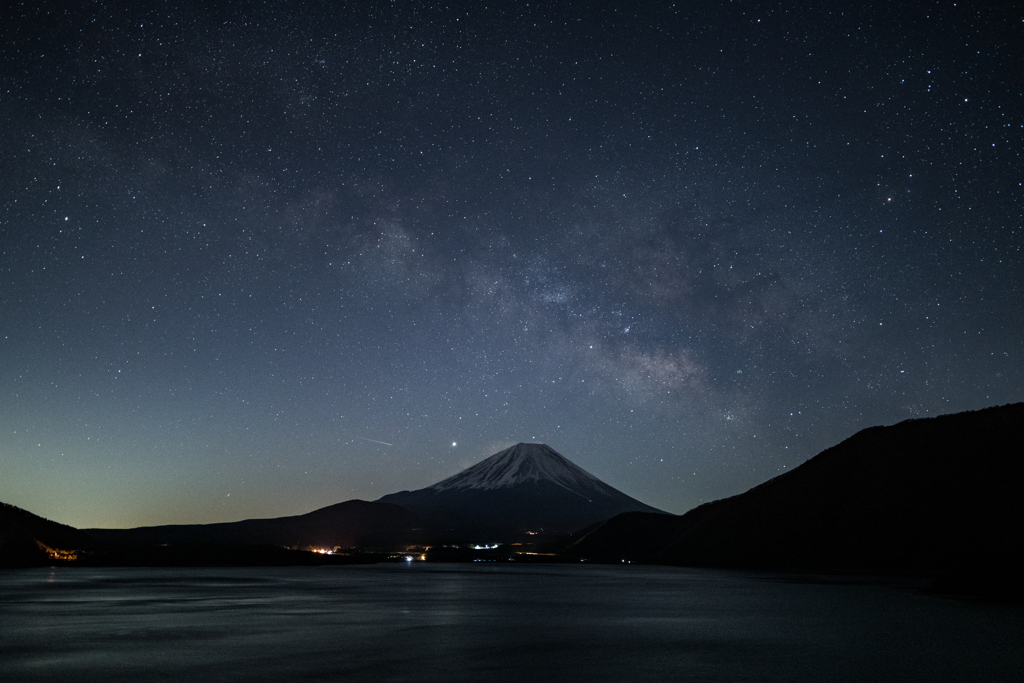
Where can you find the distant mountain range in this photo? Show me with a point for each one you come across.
(349, 524)
(936, 494)
(528, 488)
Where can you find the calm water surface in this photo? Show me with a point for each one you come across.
(428, 622)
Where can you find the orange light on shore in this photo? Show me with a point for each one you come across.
(58, 553)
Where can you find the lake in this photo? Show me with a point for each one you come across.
(472, 622)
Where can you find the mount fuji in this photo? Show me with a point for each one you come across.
(529, 487)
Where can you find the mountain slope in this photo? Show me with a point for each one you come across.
(528, 487)
(348, 524)
(30, 540)
(938, 493)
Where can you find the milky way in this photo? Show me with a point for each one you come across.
(265, 258)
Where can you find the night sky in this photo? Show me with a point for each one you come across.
(260, 259)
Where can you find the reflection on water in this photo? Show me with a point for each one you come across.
(423, 622)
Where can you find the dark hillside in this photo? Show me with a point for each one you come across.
(349, 524)
(28, 540)
(938, 494)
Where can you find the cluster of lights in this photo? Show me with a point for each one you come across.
(57, 553)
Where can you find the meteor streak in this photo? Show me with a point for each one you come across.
(375, 441)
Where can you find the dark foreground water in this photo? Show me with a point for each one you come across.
(489, 623)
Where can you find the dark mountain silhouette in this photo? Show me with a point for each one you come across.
(349, 524)
(939, 495)
(525, 488)
(189, 554)
(28, 540)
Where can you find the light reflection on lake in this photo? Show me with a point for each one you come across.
(429, 622)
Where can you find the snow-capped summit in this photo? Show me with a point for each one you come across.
(522, 463)
(528, 487)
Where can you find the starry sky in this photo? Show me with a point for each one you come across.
(266, 257)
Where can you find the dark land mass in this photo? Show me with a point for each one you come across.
(354, 523)
(939, 496)
(28, 540)
(217, 555)
(932, 497)
(502, 515)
